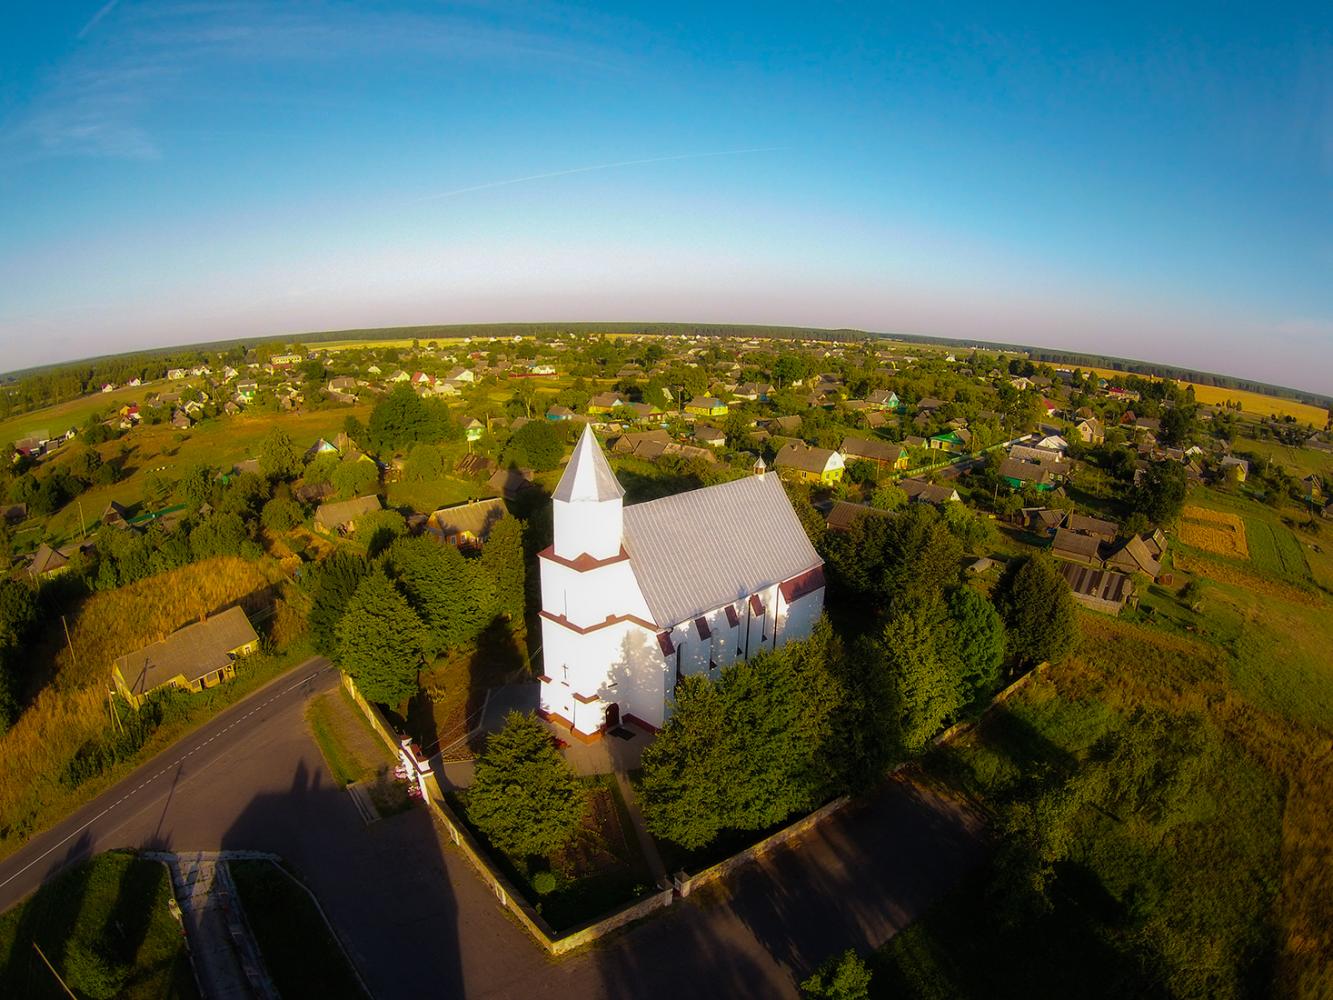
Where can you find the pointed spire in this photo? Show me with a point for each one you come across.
(588, 475)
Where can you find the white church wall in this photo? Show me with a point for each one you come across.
(587, 527)
(587, 598)
(797, 620)
(621, 663)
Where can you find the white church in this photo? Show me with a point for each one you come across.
(634, 598)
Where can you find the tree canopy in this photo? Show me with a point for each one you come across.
(1038, 611)
(525, 797)
(381, 641)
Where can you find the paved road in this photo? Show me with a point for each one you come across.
(94, 827)
(418, 922)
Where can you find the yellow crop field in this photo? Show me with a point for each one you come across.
(1214, 531)
(1254, 403)
(1260, 405)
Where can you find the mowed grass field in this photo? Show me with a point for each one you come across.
(73, 413)
(1300, 461)
(165, 451)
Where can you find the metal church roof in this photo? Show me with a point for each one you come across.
(697, 551)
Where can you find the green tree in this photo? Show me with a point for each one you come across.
(424, 462)
(1162, 494)
(334, 582)
(842, 977)
(926, 692)
(445, 589)
(686, 769)
(222, 534)
(279, 458)
(525, 797)
(196, 486)
(354, 479)
(892, 563)
(1038, 612)
(381, 641)
(539, 444)
(503, 562)
(281, 514)
(752, 748)
(888, 496)
(402, 417)
(976, 633)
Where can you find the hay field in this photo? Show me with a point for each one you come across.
(1256, 404)
(1214, 531)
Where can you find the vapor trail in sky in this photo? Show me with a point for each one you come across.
(596, 166)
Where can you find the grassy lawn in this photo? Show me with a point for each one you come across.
(453, 688)
(431, 494)
(1300, 461)
(601, 870)
(1190, 861)
(105, 926)
(73, 413)
(161, 449)
(299, 948)
(351, 748)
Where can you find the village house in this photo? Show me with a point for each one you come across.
(1019, 474)
(1106, 531)
(1076, 547)
(884, 454)
(882, 399)
(957, 440)
(920, 491)
(1098, 589)
(340, 518)
(754, 391)
(707, 434)
(635, 598)
(511, 483)
(468, 525)
(195, 657)
(1133, 556)
(809, 464)
(706, 406)
(606, 402)
(1090, 431)
(844, 514)
(1241, 466)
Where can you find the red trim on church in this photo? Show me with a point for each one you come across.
(733, 619)
(665, 644)
(584, 562)
(584, 630)
(798, 586)
(756, 605)
(702, 625)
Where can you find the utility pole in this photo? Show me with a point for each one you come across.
(54, 973)
(70, 642)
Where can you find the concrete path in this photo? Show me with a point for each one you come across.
(226, 959)
(646, 843)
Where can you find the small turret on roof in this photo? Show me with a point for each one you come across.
(588, 475)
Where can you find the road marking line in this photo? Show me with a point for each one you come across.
(74, 833)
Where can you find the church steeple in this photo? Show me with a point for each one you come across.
(587, 502)
(588, 475)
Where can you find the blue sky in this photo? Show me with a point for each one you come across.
(1129, 180)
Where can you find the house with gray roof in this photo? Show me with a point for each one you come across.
(195, 657)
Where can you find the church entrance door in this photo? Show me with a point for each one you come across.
(612, 715)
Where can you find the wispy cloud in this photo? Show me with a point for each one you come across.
(99, 100)
(102, 12)
(489, 185)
